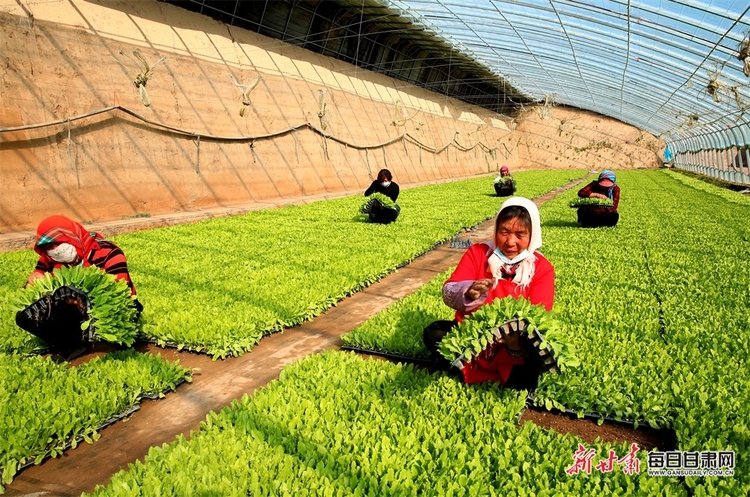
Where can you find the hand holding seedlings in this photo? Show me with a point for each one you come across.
(512, 342)
(479, 287)
(513, 334)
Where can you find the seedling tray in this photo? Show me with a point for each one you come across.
(535, 338)
(461, 244)
(107, 422)
(390, 355)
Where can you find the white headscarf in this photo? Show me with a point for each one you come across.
(525, 269)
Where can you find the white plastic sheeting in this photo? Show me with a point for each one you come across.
(669, 67)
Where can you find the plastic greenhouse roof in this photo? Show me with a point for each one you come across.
(669, 67)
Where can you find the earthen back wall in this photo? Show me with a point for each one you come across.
(71, 58)
(560, 137)
(192, 147)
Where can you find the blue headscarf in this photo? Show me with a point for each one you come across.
(607, 174)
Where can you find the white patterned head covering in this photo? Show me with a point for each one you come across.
(524, 271)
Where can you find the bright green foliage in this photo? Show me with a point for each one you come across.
(337, 424)
(112, 314)
(592, 201)
(384, 200)
(507, 181)
(657, 310)
(475, 332)
(224, 283)
(605, 298)
(398, 329)
(697, 184)
(15, 268)
(44, 407)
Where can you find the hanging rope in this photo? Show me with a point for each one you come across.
(405, 137)
(73, 163)
(146, 71)
(198, 156)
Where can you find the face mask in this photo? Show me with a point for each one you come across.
(385, 183)
(64, 253)
(514, 260)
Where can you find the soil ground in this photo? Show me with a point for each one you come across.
(217, 383)
(589, 431)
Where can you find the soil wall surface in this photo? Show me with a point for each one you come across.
(114, 109)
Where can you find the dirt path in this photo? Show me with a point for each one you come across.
(218, 382)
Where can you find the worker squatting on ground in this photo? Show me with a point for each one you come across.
(61, 241)
(603, 187)
(384, 184)
(508, 265)
(505, 185)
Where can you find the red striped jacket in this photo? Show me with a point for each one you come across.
(108, 257)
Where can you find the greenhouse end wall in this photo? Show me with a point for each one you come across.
(94, 124)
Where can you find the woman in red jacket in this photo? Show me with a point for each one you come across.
(509, 265)
(60, 241)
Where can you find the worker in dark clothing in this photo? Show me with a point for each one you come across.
(385, 185)
(505, 185)
(604, 187)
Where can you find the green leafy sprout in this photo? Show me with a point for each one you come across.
(588, 202)
(476, 331)
(379, 197)
(113, 313)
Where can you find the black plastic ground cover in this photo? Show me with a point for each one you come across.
(390, 355)
(668, 435)
(157, 396)
(107, 422)
(456, 243)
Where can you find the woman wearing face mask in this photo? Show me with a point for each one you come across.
(384, 184)
(508, 265)
(63, 242)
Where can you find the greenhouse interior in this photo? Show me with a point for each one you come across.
(374, 247)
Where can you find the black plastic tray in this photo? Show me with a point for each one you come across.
(666, 434)
(389, 355)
